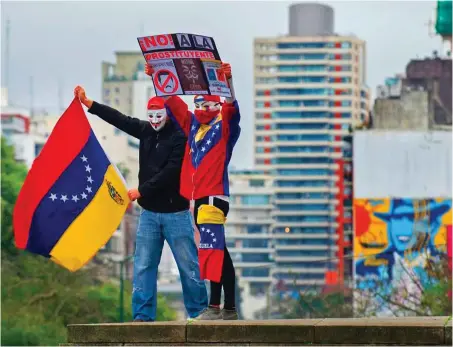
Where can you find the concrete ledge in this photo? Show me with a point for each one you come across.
(414, 331)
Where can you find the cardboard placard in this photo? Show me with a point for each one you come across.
(184, 64)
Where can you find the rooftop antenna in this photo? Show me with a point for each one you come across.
(60, 95)
(31, 96)
(7, 39)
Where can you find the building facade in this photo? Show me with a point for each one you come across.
(249, 237)
(419, 100)
(310, 93)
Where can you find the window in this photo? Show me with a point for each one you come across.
(303, 172)
(301, 160)
(303, 91)
(254, 229)
(303, 219)
(298, 79)
(306, 56)
(303, 114)
(255, 272)
(303, 149)
(304, 137)
(296, 45)
(300, 126)
(255, 243)
(117, 90)
(293, 68)
(304, 207)
(256, 183)
(304, 183)
(294, 196)
(255, 200)
(106, 92)
(250, 258)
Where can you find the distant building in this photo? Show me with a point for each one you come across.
(420, 100)
(310, 92)
(249, 237)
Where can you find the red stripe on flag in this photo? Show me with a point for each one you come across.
(65, 142)
(211, 263)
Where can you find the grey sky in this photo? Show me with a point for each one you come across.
(67, 41)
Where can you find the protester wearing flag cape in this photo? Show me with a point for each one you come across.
(165, 213)
(212, 131)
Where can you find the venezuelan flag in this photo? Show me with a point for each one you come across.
(73, 198)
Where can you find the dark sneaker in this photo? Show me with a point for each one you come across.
(210, 313)
(230, 314)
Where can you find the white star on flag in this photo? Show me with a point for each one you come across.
(88, 168)
(88, 189)
(89, 179)
(84, 159)
(213, 134)
(212, 234)
(214, 240)
(193, 127)
(208, 231)
(208, 142)
(202, 229)
(217, 126)
(203, 149)
(75, 198)
(64, 198)
(84, 196)
(53, 196)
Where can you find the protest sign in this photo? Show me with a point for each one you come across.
(184, 64)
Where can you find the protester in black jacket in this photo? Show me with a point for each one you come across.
(165, 214)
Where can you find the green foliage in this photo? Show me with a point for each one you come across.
(13, 175)
(40, 298)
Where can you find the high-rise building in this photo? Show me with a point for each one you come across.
(310, 93)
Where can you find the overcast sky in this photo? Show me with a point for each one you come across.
(66, 41)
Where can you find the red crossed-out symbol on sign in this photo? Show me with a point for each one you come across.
(163, 81)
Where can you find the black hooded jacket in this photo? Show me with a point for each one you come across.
(160, 157)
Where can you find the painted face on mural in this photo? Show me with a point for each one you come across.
(157, 118)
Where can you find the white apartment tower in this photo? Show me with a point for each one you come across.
(310, 94)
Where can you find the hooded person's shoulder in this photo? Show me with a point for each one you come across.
(178, 134)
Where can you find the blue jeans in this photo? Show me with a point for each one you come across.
(177, 228)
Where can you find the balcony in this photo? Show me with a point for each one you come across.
(319, 236)
(277, 213)
(303, 259)
(243, 250)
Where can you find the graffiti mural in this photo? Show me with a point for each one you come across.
(394, 242)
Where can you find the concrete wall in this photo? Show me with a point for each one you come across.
(410, 112)
(402, 164)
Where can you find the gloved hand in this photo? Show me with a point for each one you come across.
(226, 69)
(79, 92)
(134, 194)
(149, 69)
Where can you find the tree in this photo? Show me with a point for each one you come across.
(40, 298)
(420, 291)
(12, 177)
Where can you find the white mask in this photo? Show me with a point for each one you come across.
(157, 118)
(207, 106)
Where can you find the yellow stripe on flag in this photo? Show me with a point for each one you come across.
(93, 228)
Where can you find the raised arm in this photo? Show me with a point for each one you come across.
(230, 109)
(133, 126)
(177, 109)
